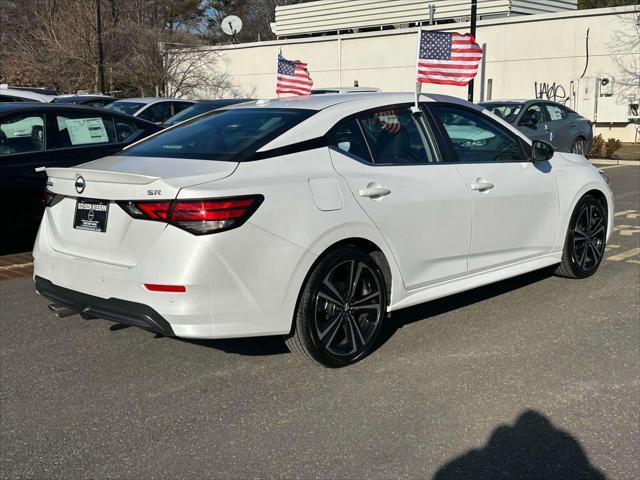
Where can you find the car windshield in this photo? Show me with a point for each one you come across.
(506, 111)
(228, 135)
(125, 107)
(190, 112)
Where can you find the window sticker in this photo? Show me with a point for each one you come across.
(86, 130)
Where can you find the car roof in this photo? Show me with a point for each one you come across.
(363, 100)
(331, 108)
(70, 98)
(73, 107)
(27, 94)
(514, 100)
(148, 100)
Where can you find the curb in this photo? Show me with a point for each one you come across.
(605, 161)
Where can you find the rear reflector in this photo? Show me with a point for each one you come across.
(201, 216)
(154, 287)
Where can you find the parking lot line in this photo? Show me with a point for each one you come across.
(624, 212)
(624, 255)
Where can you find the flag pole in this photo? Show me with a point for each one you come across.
(416, 107)
(279, 55)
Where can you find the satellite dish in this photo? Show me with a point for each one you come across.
(231, 25)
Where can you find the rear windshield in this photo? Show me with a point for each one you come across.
(228, 135)
(125, 107)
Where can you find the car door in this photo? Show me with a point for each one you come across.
(534, 123)
(515, 201)
(563, 130)
(22, 148)
(419, 204)
(77, 136)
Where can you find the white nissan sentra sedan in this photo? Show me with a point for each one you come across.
(313, 218)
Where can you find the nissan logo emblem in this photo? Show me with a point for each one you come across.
(80, 184)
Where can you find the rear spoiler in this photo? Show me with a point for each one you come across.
(100, 175)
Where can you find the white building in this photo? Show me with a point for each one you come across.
(527, 55)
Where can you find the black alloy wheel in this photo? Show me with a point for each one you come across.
(579, 146)
(586, 239)
(341, 309)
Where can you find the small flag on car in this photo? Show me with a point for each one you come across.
(293, 77)
(447, 58)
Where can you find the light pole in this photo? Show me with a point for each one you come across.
(101, 83)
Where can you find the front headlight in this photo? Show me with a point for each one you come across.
(605, 176)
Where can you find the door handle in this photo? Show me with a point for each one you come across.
(482, 186)
(373, 192)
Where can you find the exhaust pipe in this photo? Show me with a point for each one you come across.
(61, 311)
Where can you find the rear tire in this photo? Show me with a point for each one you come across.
(340, 310)
(585, 240)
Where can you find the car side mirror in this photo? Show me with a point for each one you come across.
(541, 150)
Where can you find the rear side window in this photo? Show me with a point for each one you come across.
(346, 137)
(21, 133)
(228, 135)
(395, 136)
(78, 130)
(556, 112)
(475, 137)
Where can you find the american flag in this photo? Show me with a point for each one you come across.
(389, 121)
(293, 77)
(447, 58)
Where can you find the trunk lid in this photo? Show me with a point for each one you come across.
(125, 239)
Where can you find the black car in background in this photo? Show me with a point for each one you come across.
(34, 135)
(89, 100)
(202, 106)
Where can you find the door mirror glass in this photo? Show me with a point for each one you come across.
(541, 150)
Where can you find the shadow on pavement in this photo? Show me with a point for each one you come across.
(256, 346)
(274, 345)
(440, 306)
(530, 449)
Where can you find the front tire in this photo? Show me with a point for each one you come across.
(340, 310)
(585, 241)
(580, 146)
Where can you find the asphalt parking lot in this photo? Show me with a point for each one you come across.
(535, 377)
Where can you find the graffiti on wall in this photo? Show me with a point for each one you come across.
(551, 91)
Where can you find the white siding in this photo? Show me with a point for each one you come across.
(335, 15)
(520, 53)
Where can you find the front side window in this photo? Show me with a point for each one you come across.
(506, 111)
(533, 116)
(227, 135)
(396, 136)
(79, 130)
(475, 137)
(22, 133)
(556, 112)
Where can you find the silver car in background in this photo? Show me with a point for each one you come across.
(553, 122)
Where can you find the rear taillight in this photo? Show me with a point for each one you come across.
(49, 199)
(200, 216)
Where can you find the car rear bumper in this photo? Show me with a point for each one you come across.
(240, 283)
(115, 309)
